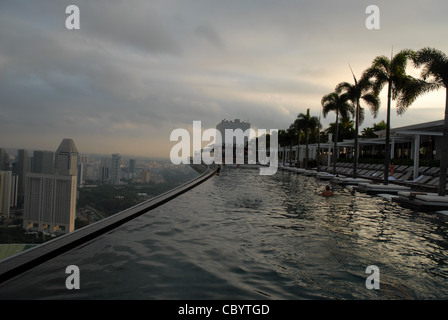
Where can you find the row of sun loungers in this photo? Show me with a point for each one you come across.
(419, 193)
(427, 180)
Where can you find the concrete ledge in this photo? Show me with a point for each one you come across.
(381, 188)
(422, 201)
(432, 198)
(351, 181)
(325, 176)
(17, 264)
(310, 172)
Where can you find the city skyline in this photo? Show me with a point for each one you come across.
(136, 70)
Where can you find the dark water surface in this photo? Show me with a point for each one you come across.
(245, 236)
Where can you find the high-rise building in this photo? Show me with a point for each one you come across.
(14, 190)
(104, 169)
(5, 192)
(146, 176)
(234, 143)
(81, 174)
(104, 175)
(43, 162)
(115, 169)
(131, 168)
(89, 171)
(21, 168)
(50, 199)
(66, 160)
(232, 125)
(50, 203)
(4, 160)
(83, 158)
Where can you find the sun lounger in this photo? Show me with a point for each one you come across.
(433, 171)
(401, 168)
(423, 170)
(405, 176)
(423, 182)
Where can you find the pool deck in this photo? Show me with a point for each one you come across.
(415, 194)
(422, 201)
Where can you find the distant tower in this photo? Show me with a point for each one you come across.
(131, 168)
(43, 162)
(115, 170)
(21, 169)
(5, 192)
(233, 125)
(4, 160)
(104, 169)
(50, 199)
(146, 176)
(14, 190)
(66, 160)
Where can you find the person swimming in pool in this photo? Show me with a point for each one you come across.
(327, 192)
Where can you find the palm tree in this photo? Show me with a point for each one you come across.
(282, 141)
(338, 104)
(298, 134)
(400, 87)
(291, 133)
(361, 90)
(307, 124)
(346, 128)
(435, 68)
(285, 138)
(369, 132)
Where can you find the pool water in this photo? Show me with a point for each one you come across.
(240, 235)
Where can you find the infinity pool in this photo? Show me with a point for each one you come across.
(240, 235)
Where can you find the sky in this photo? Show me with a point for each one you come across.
(136, 70)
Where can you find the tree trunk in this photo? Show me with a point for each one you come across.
(444, 153)
(355, 156)
(318, 147)
(387, 145)
(290, 153)
(306, 150)
(298, 152)
(335, 153)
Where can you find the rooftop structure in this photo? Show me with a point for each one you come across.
(232, 125)
(66, 160)
(408, 142)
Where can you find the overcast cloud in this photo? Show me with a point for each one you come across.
(136, 70)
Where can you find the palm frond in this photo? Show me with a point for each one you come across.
(410, 91)
(378, 78)
(434, 65)
(373, 102)
(343, 87)
(399, 62)
(381, 62)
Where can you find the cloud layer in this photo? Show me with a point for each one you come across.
(138, 69)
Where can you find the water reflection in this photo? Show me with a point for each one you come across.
(244, 236)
